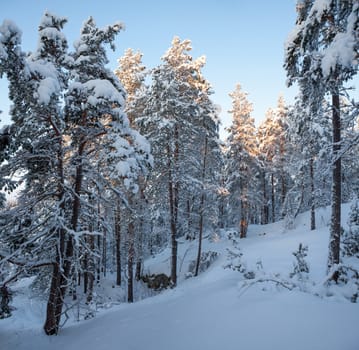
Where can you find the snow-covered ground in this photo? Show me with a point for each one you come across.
(217, 310)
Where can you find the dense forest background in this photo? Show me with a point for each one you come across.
(102, 169)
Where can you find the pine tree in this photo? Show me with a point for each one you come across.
(131, 73)
(36, 84)
(310, 135)
(67, 153)
(273, 151)
(321, 55)
(181, 123)
(241, 163)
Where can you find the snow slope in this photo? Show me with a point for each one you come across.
(213, 311)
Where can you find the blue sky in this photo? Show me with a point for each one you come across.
(242, 39)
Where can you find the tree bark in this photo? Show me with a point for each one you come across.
(130, 260)
(272, 198)
(265, 218)
(118, 243)
(51, 325)
(173, 193)
(335, 228)
(312, 194)
(173, 232)
(201, 208)
(60, 279)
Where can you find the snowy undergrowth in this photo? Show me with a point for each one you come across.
(280, 305)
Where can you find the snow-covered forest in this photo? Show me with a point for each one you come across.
(116, 187)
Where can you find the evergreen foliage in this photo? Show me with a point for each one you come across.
(108, 168)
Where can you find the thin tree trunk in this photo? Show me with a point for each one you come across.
(312, 195)
(244, 222)
(130, 260)
(141, 226)
(138, 271)
(104, 252)
(272, 198)
(283, 192)
(173, 234)
(189, 220)
(334, 242)
(99, 259)
(201, 208)
(173, 203)
(265, 219)
(86, 274)
(91, 269)
(118, 244)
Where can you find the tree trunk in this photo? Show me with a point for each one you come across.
(283, 192)
(91, 269)
(173, 201)
(60, 279)
(104, 252)
(244, 222)
(265, 217)
(312, 194)
(173, 233)
(51, 325)
(138, 271)
(86, 274)
(118, 244)
(201, 208)
(189, 220)
(130, 260)
(272, 198)
(335, 228)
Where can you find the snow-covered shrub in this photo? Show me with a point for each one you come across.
(350, 238)
(207, 258)
(349, 277)
(234, 261)
(300, 266)
(348, 269)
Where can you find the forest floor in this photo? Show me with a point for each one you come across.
(219, 309)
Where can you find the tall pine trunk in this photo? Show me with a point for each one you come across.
(173, 198)
(265, 217)
(201, 208)
(130, 260)
(335, 228)
(61, 279)
(173, 230)
(118, 243)
(51, 326)
(312, 194)
(272, 197)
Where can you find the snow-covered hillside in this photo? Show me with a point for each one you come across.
(220, 309)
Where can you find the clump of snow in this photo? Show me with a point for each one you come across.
(340, 52)
(48, 87)
(103, 90)
(10, 31)
(319, 7)
(48, 80)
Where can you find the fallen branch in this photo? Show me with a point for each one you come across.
(284, 284)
